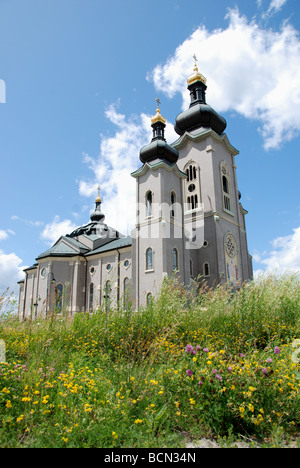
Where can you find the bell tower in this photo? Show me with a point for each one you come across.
(208, 159)
(158, 244)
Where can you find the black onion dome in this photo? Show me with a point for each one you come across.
(158, 148)
(199, 114)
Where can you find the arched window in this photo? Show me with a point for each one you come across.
(149, 298)
(173, 202)
(149, 259)
(126, 290)
(206, 269)
(175, 259)
(149, 200)
(107, 293)
(91, 305)
(191, 268)
(192, 186)
(59, 298)
(225, 181)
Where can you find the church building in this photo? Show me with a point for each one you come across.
(189, 223)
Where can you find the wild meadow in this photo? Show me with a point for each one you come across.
(212, 363)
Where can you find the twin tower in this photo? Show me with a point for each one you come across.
(190, 221)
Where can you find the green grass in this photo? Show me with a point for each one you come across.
(124, 379)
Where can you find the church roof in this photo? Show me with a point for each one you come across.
(113, 245)
(64, 247)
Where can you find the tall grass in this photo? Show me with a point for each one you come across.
(124, 378)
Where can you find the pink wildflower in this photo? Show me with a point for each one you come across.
(264, 370)
(276, 350)
(189, 348)
(189, 373)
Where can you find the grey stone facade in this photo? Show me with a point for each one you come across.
(190, 223)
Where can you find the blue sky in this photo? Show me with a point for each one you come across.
(78, 82)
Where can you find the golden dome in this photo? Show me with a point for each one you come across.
(158, 117)
(196, 76)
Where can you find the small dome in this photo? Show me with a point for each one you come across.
(200, 114)
(158, 148)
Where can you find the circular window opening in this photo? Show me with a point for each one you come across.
(126, 263)
(108, 267)
(191, 187)
(92, 270)
(43, 272)
(205, 244)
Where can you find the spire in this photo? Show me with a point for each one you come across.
(200, 114)
(97, 215)
(158, 123)
(158, 148)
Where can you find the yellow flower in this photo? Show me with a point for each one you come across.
(192, 401)
(138, 421)
(132, 379)
(115, 435)
(5, 390)
(65, 439)
(161, 392)
(20, 418)
(252, 389)
(194, 359)
(251, 407)
(8, 404)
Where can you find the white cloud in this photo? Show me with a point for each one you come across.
(11, 271)
(250, 70)
(53, 231)
(275, 6)
(118, 157)
(3, 235)
(27, 221)
(285, 255)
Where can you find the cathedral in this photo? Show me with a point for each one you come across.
(190, 223)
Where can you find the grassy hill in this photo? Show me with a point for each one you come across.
(211, 363)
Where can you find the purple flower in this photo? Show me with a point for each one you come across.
(205, 350)
(189, 348)
(269, 359)
(276, 350)
(264, 370)
(198, 348)
(214, 371)
(218, 377)
(200, 383)
(242, 355)
(229, 369)
(189, 373)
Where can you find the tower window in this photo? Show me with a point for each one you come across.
(149, 259)
(225, 181)
(149, 203)
(175, 259)
(206, 269)
(173, 201)
(192, 186)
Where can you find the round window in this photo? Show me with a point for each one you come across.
(92, 270)
(126, 263)
(108, 267)
(191, 187)
(43, 272)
